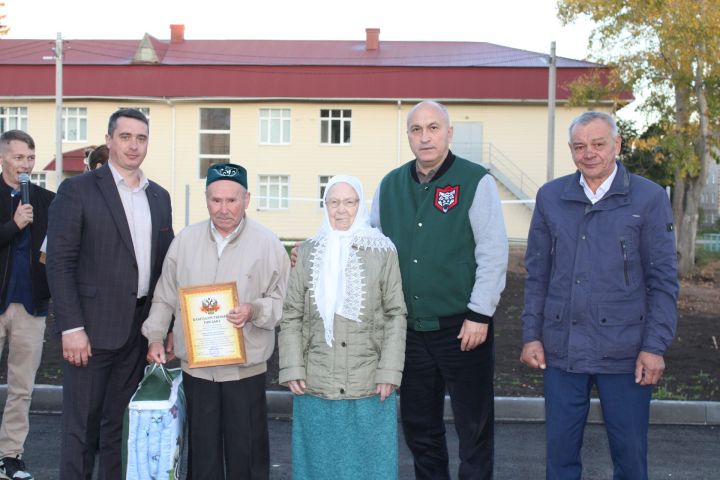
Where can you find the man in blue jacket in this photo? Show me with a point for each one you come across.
(600, 299)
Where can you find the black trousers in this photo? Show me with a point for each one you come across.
(94, 401)
(227, 424)
(434, 363)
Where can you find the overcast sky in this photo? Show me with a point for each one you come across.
(526, 24)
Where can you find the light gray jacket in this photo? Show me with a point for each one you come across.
(363, 353)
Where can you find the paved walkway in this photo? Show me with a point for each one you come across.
(676, 452)
(684, 439)
(48, 399)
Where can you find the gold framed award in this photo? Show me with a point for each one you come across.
(210, 338)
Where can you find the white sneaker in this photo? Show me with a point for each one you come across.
(13, 468)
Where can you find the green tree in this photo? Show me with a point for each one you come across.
(645, 154)
(670, 49)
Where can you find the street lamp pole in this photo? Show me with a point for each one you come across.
(552, 85)
(58, 108)
(58, 57)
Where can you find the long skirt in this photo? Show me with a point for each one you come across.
(344, 439)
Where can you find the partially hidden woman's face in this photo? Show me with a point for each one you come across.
(342, 204)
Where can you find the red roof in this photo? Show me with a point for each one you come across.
(282, 52)
(73, 160)
(280, 69)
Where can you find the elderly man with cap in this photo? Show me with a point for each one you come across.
(226, 407)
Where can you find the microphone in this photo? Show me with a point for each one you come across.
(25, 187)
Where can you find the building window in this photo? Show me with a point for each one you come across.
(274, 126)
(13, 118)
(335, 126)
(38, 179)
(322, 182)
(214, 137)
(274, 192)
(74, 124)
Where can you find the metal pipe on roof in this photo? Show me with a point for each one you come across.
(372, 39)
(177, 33)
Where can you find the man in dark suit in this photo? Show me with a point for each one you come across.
(108, 233)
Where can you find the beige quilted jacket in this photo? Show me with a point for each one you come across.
(363, 354)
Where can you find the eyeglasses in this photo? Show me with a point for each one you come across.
(347, 203)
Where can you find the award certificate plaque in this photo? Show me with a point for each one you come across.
(210, 339)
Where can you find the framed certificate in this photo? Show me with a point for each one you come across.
(210, 339)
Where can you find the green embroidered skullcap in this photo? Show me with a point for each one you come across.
(226, 171)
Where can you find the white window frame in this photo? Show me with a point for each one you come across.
(336, 118)
(274, 121)
(17, 116)
(265, 184)
(39, 179)
(322, 184)
(74, 120)
(212, 158)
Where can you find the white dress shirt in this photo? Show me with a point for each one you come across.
(221, 241)
(601, 190)
(137, 212)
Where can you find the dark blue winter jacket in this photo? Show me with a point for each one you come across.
(602, 279)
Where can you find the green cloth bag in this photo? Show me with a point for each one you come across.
(153, 445)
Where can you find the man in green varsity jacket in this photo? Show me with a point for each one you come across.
(444, 215)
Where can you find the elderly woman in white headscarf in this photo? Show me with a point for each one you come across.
(342, 344)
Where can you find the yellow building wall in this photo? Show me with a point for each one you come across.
(378, 144)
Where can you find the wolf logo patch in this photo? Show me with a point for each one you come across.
(446, 198)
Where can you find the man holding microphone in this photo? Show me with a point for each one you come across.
(24, 292)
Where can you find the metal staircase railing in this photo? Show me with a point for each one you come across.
(510, 175)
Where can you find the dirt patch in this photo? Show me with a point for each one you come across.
(693, 361)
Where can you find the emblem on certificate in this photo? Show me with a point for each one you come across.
(210, 339)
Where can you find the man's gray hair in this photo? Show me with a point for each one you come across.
(588, 117)
(435, 104)
(243, 190)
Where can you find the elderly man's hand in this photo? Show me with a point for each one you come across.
(156, 353)
(170, 347)
(533, 355)
(472, 334)
(649, 368)
(240, 315)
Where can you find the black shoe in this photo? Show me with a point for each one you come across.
(13, 468)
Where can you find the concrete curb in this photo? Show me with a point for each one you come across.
(48, 399)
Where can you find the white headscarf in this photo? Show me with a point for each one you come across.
(337, 276)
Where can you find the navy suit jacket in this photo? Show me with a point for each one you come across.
(91, 266)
